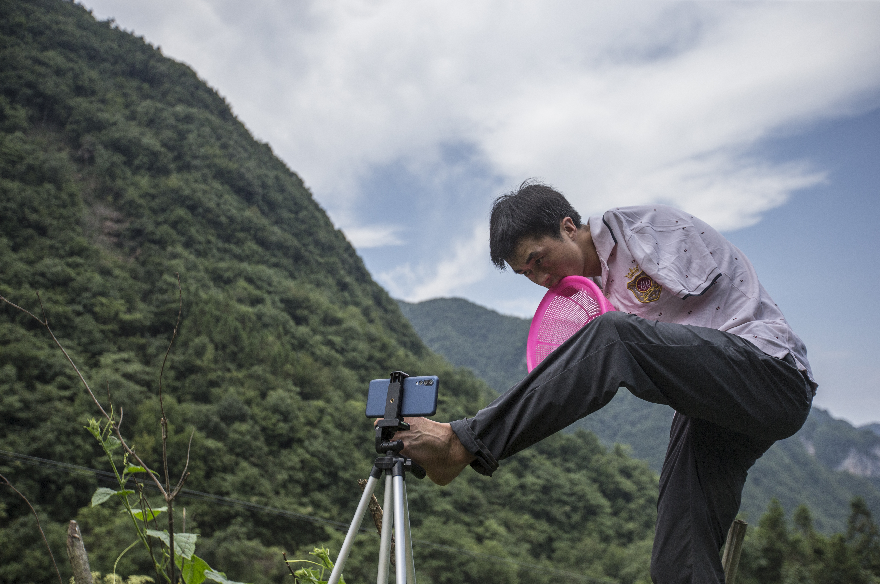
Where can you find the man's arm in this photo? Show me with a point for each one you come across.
(435, 447)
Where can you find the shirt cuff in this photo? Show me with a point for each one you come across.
(484, 463)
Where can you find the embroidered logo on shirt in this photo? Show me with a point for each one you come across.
(642, 286)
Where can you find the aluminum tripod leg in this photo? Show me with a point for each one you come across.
(387, 521)
(393, 516)
(395, 519)
(404, 570)
(355, 526)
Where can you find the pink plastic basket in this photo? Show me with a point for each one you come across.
(564, 310)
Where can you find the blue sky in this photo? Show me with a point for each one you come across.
(407, 119)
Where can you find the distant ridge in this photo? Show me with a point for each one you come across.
(468, 335)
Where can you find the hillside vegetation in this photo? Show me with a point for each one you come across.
(119, 170)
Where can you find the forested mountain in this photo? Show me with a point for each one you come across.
(120, 170)
(823, 466)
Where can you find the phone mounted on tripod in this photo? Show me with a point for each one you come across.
(398, 397)
(392, 399)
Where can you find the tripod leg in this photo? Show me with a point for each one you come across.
(410, 567)
(400, 527)
(355, 526)
(387, 521)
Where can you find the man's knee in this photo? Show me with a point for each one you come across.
(627, 328)
(615, 324)
(614, 318)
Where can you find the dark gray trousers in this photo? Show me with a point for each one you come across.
(732, 401)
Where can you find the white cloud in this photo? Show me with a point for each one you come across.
(604, 132)
(369, 236)
(612, 103)
(598, 98)
(722, 190)
(451, 274)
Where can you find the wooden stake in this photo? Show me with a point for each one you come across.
(733, 549)
(76, 550)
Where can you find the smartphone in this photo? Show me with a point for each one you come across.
(419, 396)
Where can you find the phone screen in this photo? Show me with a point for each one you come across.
(419, 396)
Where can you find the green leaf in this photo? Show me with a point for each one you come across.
(324, 555)
(149, 513)
(193, 570)
(184, 543)
(315, 575)
(309, 576)
(112, 443)
(101, 495)
(94, 428)
(163, 535)
(131, 469)
(312, 576)
(219, 577)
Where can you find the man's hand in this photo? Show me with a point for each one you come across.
(434, 447)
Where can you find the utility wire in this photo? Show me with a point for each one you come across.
(74, 468)
(37, 461)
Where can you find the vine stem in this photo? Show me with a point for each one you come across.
(45, 323)
(40, 527)
(168, 493)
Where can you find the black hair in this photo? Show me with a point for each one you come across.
(533, 210)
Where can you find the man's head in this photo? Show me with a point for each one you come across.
(533, 211)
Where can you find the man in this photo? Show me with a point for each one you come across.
(694, 329)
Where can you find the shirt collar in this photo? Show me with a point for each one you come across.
(603, 238)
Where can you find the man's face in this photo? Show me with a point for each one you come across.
(546, 260)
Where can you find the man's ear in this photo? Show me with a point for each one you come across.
(567, 227)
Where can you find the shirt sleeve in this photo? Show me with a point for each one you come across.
(668, 246)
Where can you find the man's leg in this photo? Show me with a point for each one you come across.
(700, 490)
(700, 372)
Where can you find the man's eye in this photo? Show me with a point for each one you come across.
(538, 261)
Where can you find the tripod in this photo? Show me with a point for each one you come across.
(394, 466)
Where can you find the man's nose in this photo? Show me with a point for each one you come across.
(539, 277)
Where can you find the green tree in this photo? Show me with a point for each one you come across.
(863, 536)
(774, 545)
(840, 565)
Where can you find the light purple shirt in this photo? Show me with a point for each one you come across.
(663, 264)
